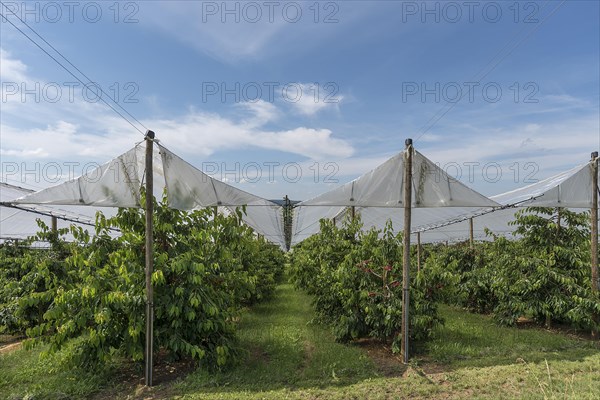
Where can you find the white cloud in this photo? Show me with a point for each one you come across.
(63, 140)
(195, 25)
(522, 152)
(11, 70)
(430, 138)
(82, 130)
(205, 133)
(564, 99)
(312, 143)
(309, 99)
(261, 112)
(248, 31)
(569, 139)
(34, 153)
(532, 128)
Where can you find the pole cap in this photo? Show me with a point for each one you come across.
(408, 142)
(594, 155)
(150, 134)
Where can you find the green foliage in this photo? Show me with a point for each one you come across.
(546, 274)
(206, 269)
(472, 283)
(542, 274)
(29, 279)
(356, 278)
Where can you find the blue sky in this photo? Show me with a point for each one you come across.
(341, 86)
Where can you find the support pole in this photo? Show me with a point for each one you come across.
(418, 251)
(405, 348)
(149, 258)
(594, 232)
(353, 211)
(54, 224)
(287, 222)
(595, 283)
(471, 232)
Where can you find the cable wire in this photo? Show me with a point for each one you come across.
(449, 106)
(70, 72)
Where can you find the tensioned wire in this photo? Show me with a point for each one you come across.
(90, 82)
(493, 63)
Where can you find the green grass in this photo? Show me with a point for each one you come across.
(286, 351)
(28, 374)
(287, 357)
(473, 340)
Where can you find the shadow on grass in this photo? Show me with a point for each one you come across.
(285, 352)
(473, 340)
(296, 355)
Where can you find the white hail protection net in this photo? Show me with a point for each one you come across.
(118, 183)
(442, 206)
(21, 223)
(378, 197)
(189, 188)
(571, 189)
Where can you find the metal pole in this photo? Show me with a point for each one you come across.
(418, 251)
(405, 348)
(149, 258)
(594, 238)
(54, 224)
(471, 232)
(353, 211)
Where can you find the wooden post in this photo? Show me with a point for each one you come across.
(549, 316)
(471, 232)
(54, 224)
(149, 258)
(405, 348)
(594, 238)
(353, 211)
(418, 251)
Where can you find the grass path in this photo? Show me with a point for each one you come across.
(469, 357)
(287, 357)
(285, 353)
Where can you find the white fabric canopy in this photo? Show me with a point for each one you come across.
(189, 188)
(21, 223)
(114, 184)
(441, 205)
(571, 189)
(377, 196)
(383, 187)
(117, 183)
